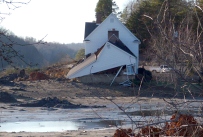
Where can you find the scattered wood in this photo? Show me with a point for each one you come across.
(180, 125)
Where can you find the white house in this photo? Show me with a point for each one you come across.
(107, 45)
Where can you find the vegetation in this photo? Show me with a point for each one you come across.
(22, 53)
(141, 16)
(19, 52)
(80, 54)
(170, 31)
(105, 7)
(171, 34)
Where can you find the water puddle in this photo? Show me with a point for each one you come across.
(56, 126)
(43, 126)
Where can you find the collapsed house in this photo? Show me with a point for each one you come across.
(111, 51)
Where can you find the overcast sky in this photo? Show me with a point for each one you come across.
(62, 21)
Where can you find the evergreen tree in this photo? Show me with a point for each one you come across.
(147, 13)
(105, 7)
(80, 54)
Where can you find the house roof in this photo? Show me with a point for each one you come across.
(82, 65)
(89, 27)
(118, 43)
(90, 64)
(122, 46)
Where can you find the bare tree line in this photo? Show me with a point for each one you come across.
(181, 48)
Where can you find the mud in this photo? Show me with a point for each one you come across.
(55, 103)
(7, 98)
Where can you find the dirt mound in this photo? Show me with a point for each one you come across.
(56, 72)
(53, 72)
(38, 76)
(52, 102)
(14, 76)
(7, 98)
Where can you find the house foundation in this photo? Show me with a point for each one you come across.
(104, 78)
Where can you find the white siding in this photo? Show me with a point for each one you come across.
(113, 57)
(100, 35)
(109, 57)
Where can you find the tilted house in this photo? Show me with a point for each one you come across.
(108, 45)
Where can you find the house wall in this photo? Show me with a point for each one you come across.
(134, 47)
(100, 36)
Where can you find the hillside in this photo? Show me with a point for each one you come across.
(19, 53)
(56, 52)
(28, 52)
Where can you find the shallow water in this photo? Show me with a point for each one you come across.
(57, 126)
(17, 119)
(43, 126)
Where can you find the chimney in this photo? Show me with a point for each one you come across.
(98, 18)
(113, 35)
(113, 32)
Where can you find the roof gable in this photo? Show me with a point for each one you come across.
(108, 24)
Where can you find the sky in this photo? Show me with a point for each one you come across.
(60, 21)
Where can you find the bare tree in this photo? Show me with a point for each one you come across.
(10, 5)
(8, 52)
(180, 47)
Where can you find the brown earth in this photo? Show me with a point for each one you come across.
(50, 84)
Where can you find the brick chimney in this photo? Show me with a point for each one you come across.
(111, 33)
(98, 18)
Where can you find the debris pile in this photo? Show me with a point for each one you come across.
(56, 72)
(151, 131)
(38, 76)
(7, 98)
(124, 133)
(180, 125)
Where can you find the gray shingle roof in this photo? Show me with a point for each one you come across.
(118, 43)
(89, 27)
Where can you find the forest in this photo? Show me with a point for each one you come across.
(28, 52)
